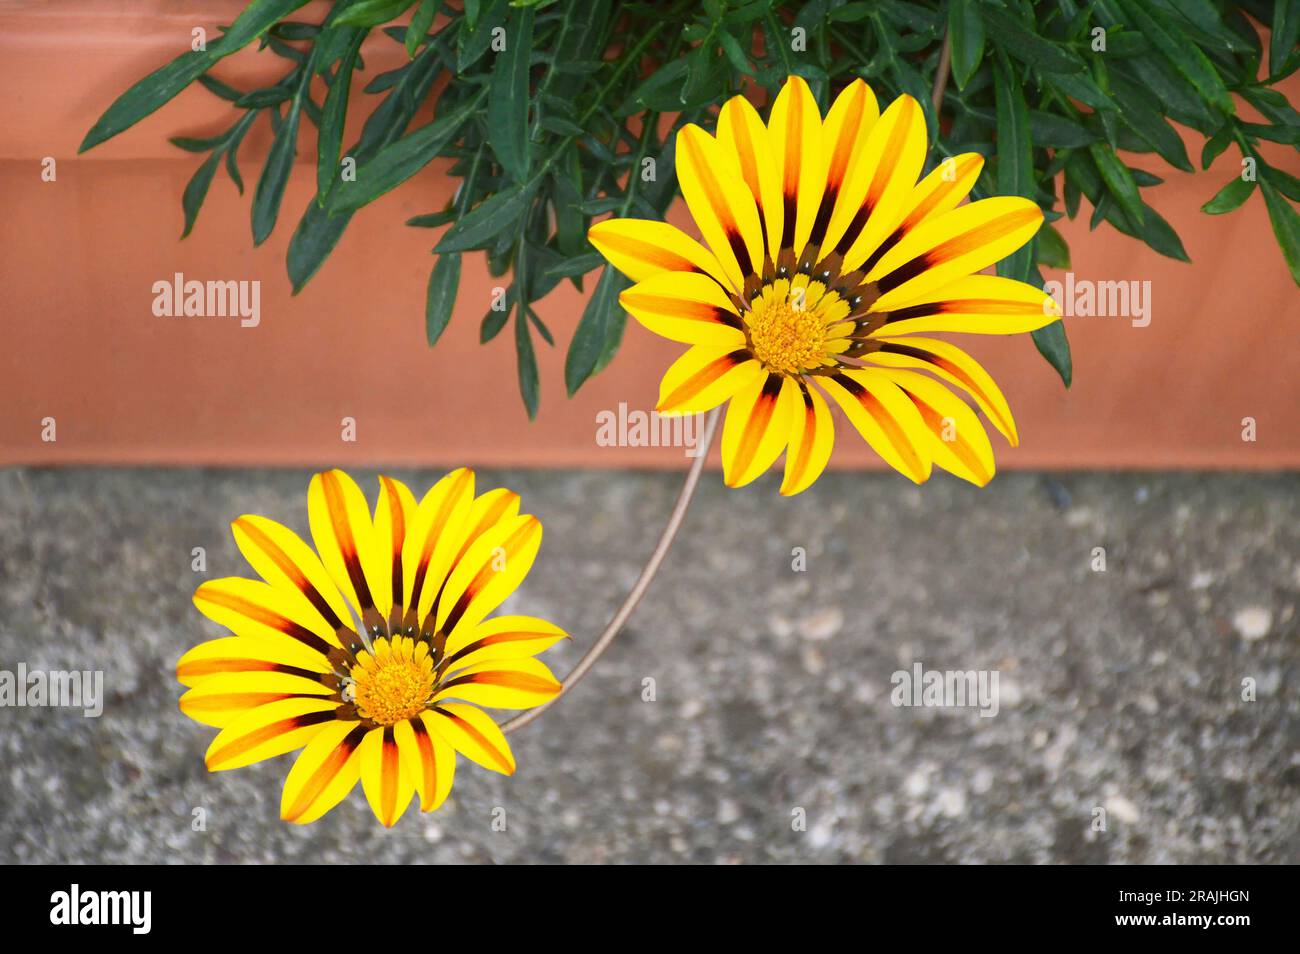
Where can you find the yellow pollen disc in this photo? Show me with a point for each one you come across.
(787, 325)
(395, 683)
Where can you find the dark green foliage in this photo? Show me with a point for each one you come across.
(560, 111)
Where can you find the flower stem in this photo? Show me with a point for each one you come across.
(642, 583)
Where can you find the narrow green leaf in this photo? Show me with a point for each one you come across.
(329, 142)
(966, 30)
(1231, 196)
(1184, 55)
(1284, 36)
(1052, 249)
(590, 337)
(197, 190)
(1015, 173)
(162, 85)
(1118, 180)
(487, 220)
(313, 240)
(1027, 46)
(370, 13)
(419, 28)
(396, 163)
(275, 174)
(1286, 226)
(526, 362)
(1055, 347)
(474, 38)
(507, 107)
(444, 280)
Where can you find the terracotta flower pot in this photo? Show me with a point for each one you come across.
(80, 257)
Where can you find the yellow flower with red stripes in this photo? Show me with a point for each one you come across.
(374, 656)
(824, 265)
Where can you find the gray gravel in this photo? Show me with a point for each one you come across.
(1120, 690)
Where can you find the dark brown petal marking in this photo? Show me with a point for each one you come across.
(295, 575)
(266, 617)
(485, 574)
(338, 512)
(435, 531)
(749, 170)
(681, 308)
(246, 743)
(478, 737)
(879, 178)
(726, 217)
(760, 416)
(506, 679)
(428, 763)
(701, 379)
(490, 518)
(970, 306)
(959, 245)
(325, 772)
(893, 430)
(398, 539)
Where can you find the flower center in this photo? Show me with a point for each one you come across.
(395, 683)
(787, 326)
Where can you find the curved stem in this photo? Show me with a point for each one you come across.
(642, 583)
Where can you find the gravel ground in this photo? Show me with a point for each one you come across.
(1120, 690)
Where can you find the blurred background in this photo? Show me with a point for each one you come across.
(1121, 689)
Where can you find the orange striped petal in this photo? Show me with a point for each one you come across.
(812, 436)
(324, 772)
(472, 733)
(433, 540)
(741, 131)
(721, 205)
(219, 700)
(844, 135)
(501, 684)
(345, 539)
(795, 128)
(885, 418)
(757, 427)
(259, 610)
(243, 654)
(685, 307)
(430, 761)
(641, 249)
(491, 569)
(704, 377)
(502, 637)
(959, 443)
(394, 515)
(268, 731)
(976, 304)
(384, 776)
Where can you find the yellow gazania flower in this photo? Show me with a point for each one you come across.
(374, 701)
(825, 255)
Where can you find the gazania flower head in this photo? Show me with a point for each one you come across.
(825, 267)
(373, 656)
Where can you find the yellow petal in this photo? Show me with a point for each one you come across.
(959, 443)
(951, 363)
(259, 610)
(686, 307)
(219, 700)
(268, 731)
(324, 772)
(491, 569)
(885, 418)
(812, 436)
(501, 684)
(430, 761)
(880, 183)
(722, 207)
(757, 427)
(431, 544)
(741, 132)
(471, 732)
(844, 136)
(394, 516)
(345, 539)
(642, 248)
(231, 654)
(795, 127)
(282, 559)
(502, 637)
(976, 304)
(704, 377)
(384, 776)
(953, 245)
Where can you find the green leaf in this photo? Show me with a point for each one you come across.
(197, 190)
(419, 28)
(162, 85)
(1052, 249)
(488, 219)
(1015, 174)
(475, 36)
(279, 163)
(592, 334)
(370, 13)
(1118, 180)
(1286, 226)
(315, 237)
(526, 361)
(1184, 55)
(1053, 345)
(1232, 195)
(1048, 129)
(507, 108)
(329, 142)
(440, 300)
(1284, 36)
(966, 30)
(1027, 46)
(399, 161)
